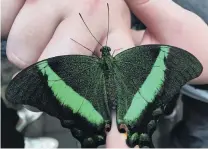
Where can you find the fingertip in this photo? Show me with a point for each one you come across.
(156, 14)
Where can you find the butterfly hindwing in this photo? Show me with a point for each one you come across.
(149, 77)
(70, 88)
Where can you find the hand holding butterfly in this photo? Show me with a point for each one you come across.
(43, 29)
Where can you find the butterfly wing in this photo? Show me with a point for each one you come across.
(148, 78)
(70, 88)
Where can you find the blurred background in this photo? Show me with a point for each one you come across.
(35, 125)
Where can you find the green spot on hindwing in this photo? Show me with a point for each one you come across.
(149, 89)
(68, 97)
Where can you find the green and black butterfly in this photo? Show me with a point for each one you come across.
(83, 91)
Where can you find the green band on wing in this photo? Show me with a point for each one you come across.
(68, 97)
(149, 88)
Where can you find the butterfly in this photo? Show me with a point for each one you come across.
(82, 91)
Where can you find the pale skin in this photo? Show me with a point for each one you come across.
(39, 29)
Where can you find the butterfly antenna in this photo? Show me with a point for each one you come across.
(90, 31)
(108, 25)
(81, 45)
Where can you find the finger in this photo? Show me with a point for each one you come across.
(159, 16)
(137, 36)
(10, 9)
(73, 28)
(31, 31)
(115, 139)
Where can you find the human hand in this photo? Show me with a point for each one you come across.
(168, 23)
(43, 29)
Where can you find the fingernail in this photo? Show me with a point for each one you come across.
(13, 58)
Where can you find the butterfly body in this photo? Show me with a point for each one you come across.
(108, 65)
(82, 91)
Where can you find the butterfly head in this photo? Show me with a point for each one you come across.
(105, 50)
